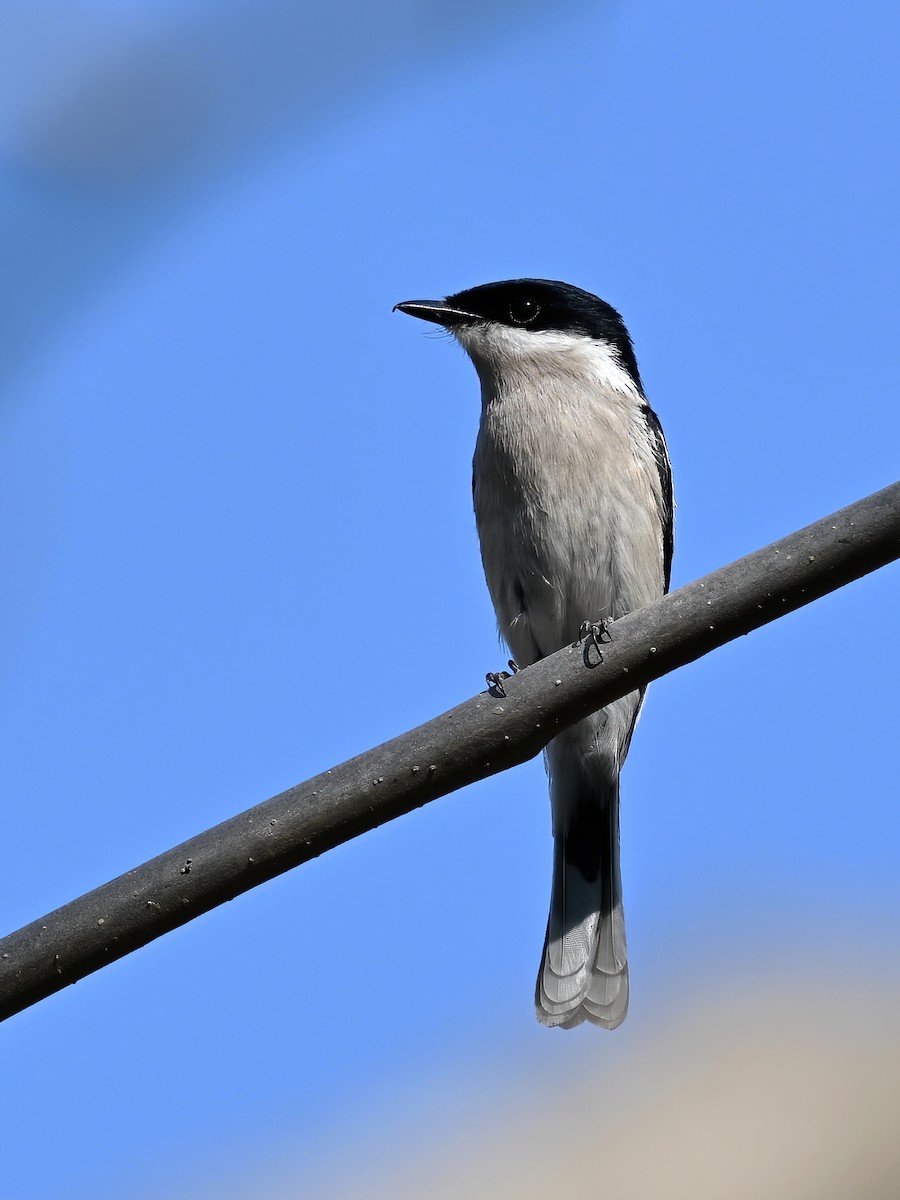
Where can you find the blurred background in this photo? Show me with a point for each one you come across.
(238, 548)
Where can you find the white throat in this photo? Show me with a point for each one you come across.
(507, 358)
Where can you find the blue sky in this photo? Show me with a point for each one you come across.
(240, 548)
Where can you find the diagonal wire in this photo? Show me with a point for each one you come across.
(486, 734)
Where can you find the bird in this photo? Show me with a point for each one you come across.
(574, 507)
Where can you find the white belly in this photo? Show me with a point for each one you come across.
(567, 503)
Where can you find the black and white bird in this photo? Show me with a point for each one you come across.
(574, 508)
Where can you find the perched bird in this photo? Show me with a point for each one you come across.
(574, 509)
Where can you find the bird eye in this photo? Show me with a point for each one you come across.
(522, 312)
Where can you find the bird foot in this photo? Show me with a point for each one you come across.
(495, 681)
(594, 634)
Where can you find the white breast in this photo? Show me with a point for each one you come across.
(567, 488)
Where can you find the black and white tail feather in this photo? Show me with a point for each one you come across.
(584, 970)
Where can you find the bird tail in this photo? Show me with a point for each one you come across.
(584, 973)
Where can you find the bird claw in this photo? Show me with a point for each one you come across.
(495, 681)
(594, 633)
